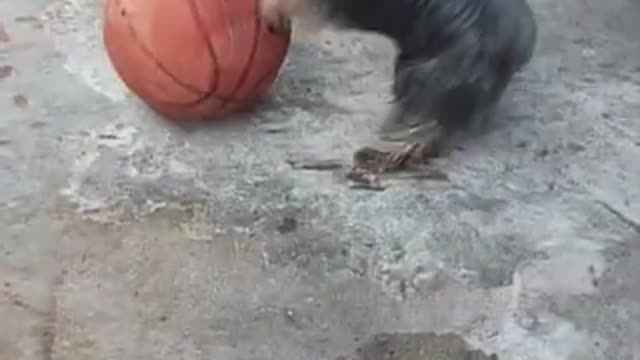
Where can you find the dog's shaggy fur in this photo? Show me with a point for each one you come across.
(455, 57)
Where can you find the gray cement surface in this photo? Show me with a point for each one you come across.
(124, 238)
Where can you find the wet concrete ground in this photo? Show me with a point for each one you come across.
(125, 238)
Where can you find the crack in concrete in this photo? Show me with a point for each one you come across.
(634, 225)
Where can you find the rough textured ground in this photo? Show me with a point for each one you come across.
(123, 238)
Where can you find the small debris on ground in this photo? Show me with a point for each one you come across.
(369, 164)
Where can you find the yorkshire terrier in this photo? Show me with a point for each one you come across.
(455, 58)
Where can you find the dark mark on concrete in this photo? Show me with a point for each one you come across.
(289, 224)
(634, 225)
(5, 71)
(4, 36)
(17, 300)
(26, 19)
(419, 346)
(319, 165)
(20, 101)
(38, 124)
(48, 339)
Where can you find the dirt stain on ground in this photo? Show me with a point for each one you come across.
(5, 71)
(21, 101)
(4, 35)
(419, 346)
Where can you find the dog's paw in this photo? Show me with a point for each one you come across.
(272, 11)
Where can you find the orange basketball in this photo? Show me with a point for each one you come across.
(193, 59)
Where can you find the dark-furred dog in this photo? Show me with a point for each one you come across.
(455, 57)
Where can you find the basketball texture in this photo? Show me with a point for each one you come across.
(193, 59)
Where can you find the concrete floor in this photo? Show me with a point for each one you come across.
(123, 238)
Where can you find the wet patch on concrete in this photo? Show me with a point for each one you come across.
(422, 346)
